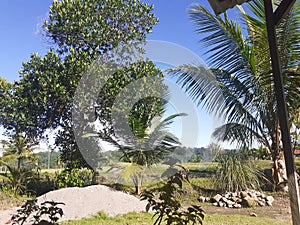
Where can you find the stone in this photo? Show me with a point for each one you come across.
(217, 198)
(227, 195)
(207, 199)
(201, 199)
(236, 205)
(253, 214)
(270, 199)
(221, 204)
(244, 194)
(234, 194)
(234, 199)
(215, 203)
(230, 203)
(261, 203)
(224, 199)
(252, 195)
(248, 202)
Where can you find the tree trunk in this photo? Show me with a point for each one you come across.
(278, 170)
(138, 189)
(19, 163)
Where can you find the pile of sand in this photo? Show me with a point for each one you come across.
(88, 201)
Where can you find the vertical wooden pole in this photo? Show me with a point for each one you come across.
(283, 115)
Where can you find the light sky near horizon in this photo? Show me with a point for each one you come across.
(20, 23)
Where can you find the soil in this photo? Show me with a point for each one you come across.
(280, 210)
(84, 202)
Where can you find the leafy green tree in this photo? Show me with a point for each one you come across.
(240, 85)
(80, 31)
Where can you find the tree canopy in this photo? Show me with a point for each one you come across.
(80, 32)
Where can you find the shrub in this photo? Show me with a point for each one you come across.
(16, 180)
(42, 184)
(37, 214)
(169, 208)
(236, 172)
(75, 178)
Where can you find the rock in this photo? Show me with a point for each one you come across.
(236, 205)
(253, 214)
(217, 198)
(201, 199)
(230, 203)
(234, 199)
(234, 194)
(207, 199)
(216, 204)
(261, 203)
(248, 198)
(252, 195)
(248, 202)
(269, 200)
(221, 204)
(227, 195)
(223, 199)
(244, 194)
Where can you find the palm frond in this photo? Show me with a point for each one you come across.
(239, 133)
(227, 48)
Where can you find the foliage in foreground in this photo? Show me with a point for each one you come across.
(169, 208)
(31, 211)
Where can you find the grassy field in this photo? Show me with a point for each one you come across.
(146, 219)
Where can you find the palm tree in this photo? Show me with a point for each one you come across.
(17, 148)
(240, 85)
(153, 144)
(148, 142)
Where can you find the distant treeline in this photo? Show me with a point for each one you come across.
(43, 159)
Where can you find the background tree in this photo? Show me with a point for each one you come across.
(241, 75)
(18, 148)
(80, 31)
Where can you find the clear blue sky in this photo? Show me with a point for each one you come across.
(20, 25)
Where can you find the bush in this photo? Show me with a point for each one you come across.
(34, 212)
(75, 178)
(235, 172)
(168, 208)
(16, 180)
(42, 184)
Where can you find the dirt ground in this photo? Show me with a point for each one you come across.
(280, 210)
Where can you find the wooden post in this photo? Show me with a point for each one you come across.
(282, 112)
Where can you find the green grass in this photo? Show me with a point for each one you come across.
(103, 219)
(145, 219)
(218, 219)
(297, 161)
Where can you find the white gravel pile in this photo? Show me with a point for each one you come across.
(88, 201)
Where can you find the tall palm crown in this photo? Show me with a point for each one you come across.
(240, 84)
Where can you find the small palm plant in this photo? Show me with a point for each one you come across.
(236, 172)
(154, 145)
(17, 179)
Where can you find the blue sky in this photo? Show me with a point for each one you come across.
(20, 23)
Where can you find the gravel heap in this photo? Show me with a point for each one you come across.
(239, 199)
(86, 202)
